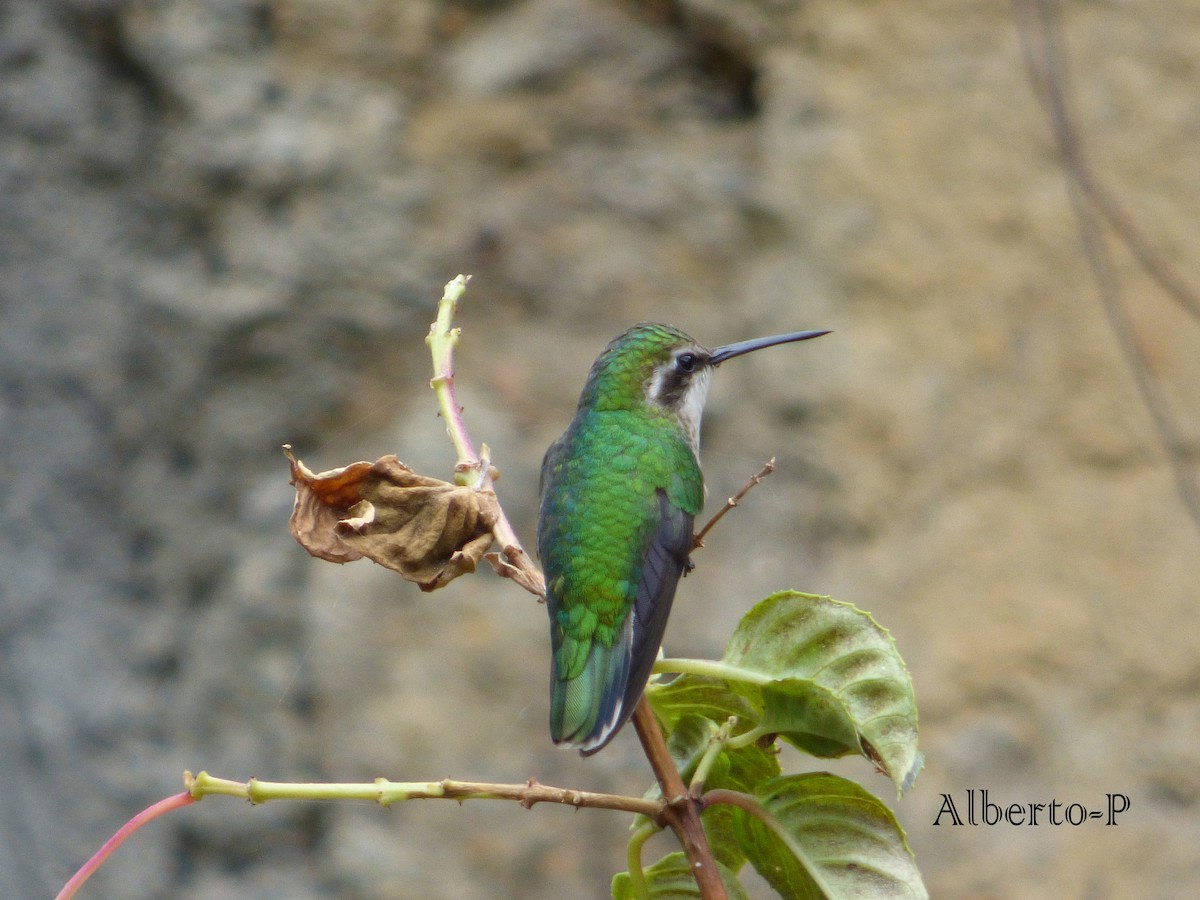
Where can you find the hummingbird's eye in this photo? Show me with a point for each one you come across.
(686, 362)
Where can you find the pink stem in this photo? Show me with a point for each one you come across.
(97, 860)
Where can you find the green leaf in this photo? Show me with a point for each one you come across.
(699, 695)
(829, 679)
(749, 767)
(826, 837)
(671, 878)
(810, 716)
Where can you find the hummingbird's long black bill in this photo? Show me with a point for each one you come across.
(731, 350)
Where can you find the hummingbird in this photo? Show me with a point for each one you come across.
(620, 490)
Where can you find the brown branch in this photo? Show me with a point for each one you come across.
(681, 811)
(767, 469)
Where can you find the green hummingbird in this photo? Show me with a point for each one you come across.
(619, 492)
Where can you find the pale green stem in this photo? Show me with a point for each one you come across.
(748, 738)
(633, 859)
(710, 669)
(442, 339)
(386, 792)
(716, 744)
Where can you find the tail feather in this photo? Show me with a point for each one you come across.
(586, 711)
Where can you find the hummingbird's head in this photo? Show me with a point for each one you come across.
(661, 368)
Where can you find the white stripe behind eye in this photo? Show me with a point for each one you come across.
(656, 384)
(690, 406)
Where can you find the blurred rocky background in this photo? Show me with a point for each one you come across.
(224, 224)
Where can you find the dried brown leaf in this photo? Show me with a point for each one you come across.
(428, 530)
(512, 562)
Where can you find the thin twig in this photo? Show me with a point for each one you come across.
(1038, 22)
(767, 469)
(1047, 73)
(88, 869)
(1153, 263)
